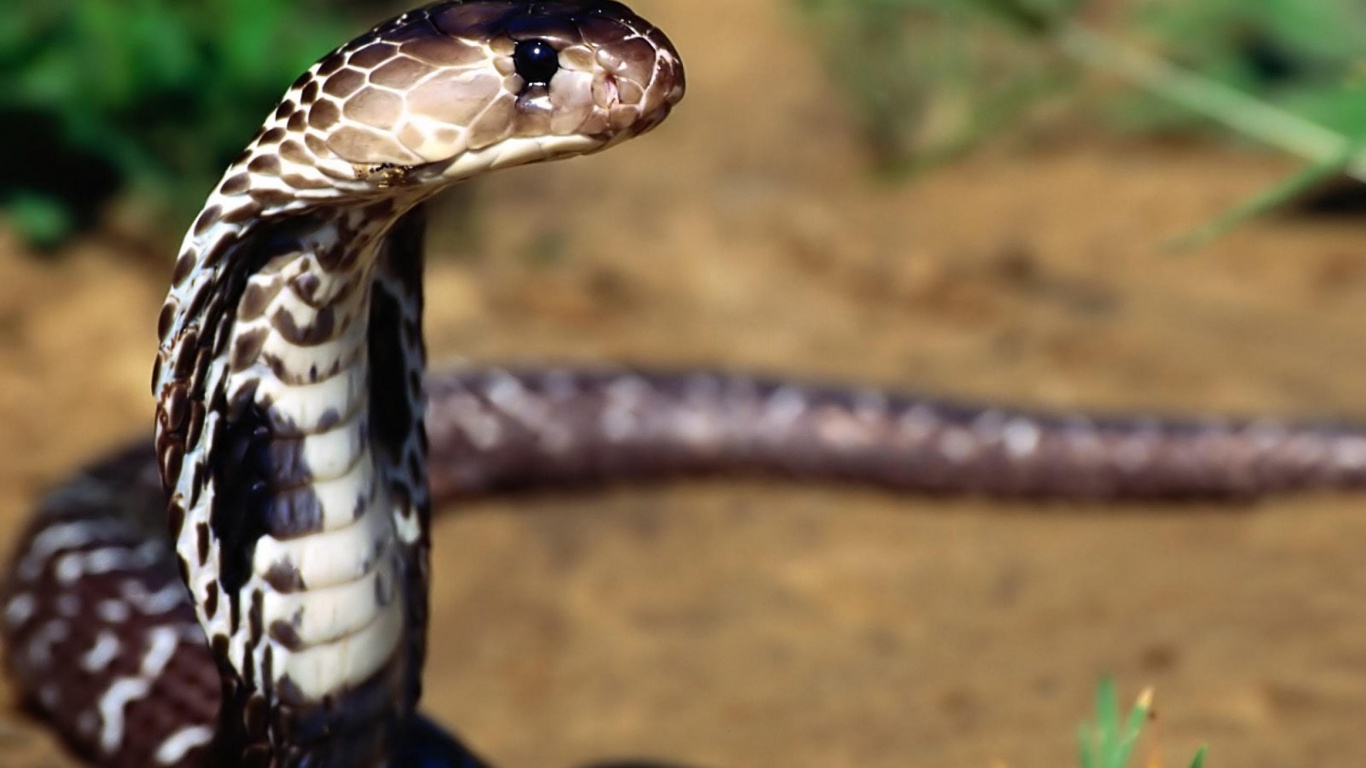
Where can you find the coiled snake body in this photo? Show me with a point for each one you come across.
(291, 458)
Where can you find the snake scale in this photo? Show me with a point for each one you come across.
(299, 447)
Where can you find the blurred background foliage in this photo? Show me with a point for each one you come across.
(928, 79)
(1308, 57)
(925, 79)
(152, 97)
(147, 100)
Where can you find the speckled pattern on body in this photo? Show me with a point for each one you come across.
(495, 430)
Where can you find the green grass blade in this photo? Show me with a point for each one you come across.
(1107, 721)
(1109, 740)
(1269, 199)
(1086, 744)
(1124, 746)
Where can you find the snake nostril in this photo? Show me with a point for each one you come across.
(608, 94)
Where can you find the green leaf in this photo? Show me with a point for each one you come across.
(1269, 199)
(42, 221)
(163, 90)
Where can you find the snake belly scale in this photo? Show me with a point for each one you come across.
(291, 464)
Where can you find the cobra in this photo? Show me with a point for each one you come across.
(291, 465)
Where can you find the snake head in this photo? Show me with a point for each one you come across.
(456, 88)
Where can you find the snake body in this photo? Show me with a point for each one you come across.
(289, 379)
(102, 637)
(292, 467)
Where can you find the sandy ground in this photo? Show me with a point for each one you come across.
(756, 624)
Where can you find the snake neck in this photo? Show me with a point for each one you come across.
(299, 512)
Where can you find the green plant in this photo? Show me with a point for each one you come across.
(1305, 57)
(1109, 740)
(1284, 72)
(925, 79)
(150, 95)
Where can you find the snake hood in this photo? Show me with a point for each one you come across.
(290, 403)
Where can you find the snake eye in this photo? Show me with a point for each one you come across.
(535, 61)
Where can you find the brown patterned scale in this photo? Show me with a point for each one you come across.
(291, 467)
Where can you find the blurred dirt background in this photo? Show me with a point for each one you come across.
(759, 624)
